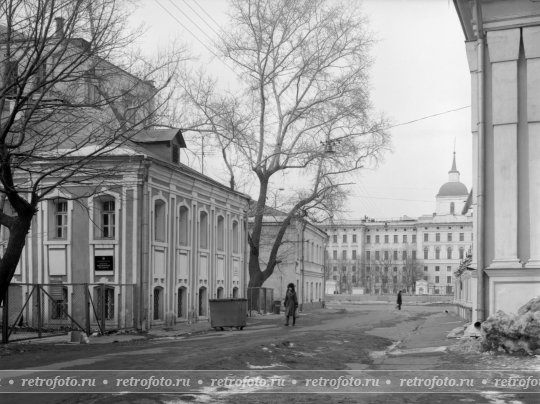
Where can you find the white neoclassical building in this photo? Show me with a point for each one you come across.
(387, 255)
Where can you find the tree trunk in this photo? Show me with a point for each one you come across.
(13, 251)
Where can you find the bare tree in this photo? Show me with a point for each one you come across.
(70, 94)
(302, 114)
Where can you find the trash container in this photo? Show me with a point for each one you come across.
(228, 313)
(277, 306)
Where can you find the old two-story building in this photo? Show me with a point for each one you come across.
(300, 258)
(125, 234)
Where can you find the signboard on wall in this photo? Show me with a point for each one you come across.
(104, 263)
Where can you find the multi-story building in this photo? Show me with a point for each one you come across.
(387, 255)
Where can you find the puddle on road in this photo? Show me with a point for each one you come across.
(495, 397)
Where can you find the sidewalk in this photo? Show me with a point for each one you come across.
(156, 332)
(422, 343)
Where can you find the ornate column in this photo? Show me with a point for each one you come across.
(531, 42)
(503, 48)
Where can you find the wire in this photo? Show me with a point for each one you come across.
(187, 29)
(204, 20)
(190, 20)
(427, 117)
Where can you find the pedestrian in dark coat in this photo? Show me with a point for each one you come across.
(291, 304)
(399, 300)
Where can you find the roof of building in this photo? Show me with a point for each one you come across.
(453, 189)
(159, 135)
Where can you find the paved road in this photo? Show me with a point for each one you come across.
(373, 348)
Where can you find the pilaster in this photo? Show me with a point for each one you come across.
(503, 48)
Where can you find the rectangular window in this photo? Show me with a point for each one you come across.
(426, 251)
(437, 268)
(386, 238)
(175, 154)
(11, 77)
(404, 238)
(425, 269)
(395, 255)
(414, 254)
(368, 239)
(60, 219)
(404, 255)
(377, 257)
(368, 255)
(461, 236)
(334, 254)
(449, 236)
(108, 219)
(344, 254)
(335, 269)
(448, 268)
(354, 238)
(335, 238)
(436, 279)
(353, 254)
(344, 238)
(59, 302)
(414, 238)
(377, 239)
(386, 255)
(426, 237)
(448, 279)
(395, 238)
(437, 236)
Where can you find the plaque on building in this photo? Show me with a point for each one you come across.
(104, 263)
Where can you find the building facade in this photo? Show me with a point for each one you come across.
(157, 243)
(300, 259)
(387, 255)
(503, 51)
(125, 236)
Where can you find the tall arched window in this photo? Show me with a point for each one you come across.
(437, 253)
(160, 225)
(203, 229)
(461, 253)
(220, 233)
(235, 237)
(183, 228)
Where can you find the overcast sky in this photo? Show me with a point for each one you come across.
(420, 70)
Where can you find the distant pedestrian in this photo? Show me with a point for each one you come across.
(399, 300)
(291, 304)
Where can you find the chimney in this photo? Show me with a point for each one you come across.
(59, 27)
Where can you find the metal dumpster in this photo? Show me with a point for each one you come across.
(228, 313)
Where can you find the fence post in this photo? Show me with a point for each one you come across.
(103, 308)
(5, 319)
(39, 312)
(87, 308)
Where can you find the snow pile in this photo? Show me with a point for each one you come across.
(514, 333)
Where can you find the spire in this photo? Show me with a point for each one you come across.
(454, 169)
(453, 174)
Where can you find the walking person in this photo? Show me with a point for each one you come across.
(291, 304)
(399, 300)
